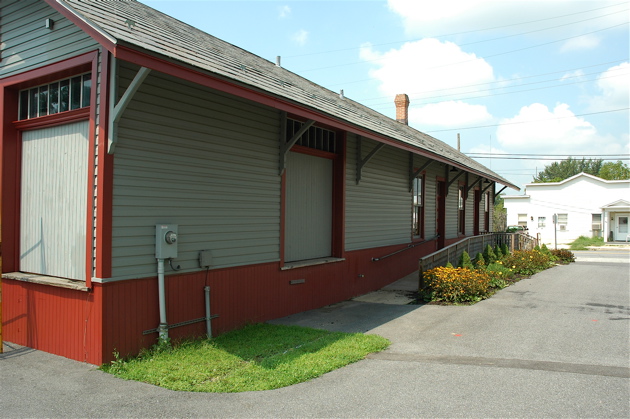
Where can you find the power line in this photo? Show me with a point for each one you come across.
(621, 60)
(470, 31)
(542, 158)
(528, 122)
(509, 92)
(545, 155)
(471, 60)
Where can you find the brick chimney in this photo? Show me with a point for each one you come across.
(402, 108)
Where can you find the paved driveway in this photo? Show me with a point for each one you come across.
(554, 345)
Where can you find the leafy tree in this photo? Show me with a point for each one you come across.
(499, 215)
(614, 171)
(559, 171)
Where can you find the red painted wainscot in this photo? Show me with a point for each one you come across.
(90, 326)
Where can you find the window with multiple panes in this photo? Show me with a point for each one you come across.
(596, 221)
(418, 207)
(522, 220)
(52, 98)
(461, 205)
(315, 137)
(563, 220)
(542, 222)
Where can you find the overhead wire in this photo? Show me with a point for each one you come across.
(467, 32)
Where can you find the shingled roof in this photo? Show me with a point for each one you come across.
(132, 24)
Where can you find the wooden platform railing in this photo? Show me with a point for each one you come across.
(473, 245)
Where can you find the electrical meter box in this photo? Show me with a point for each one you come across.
(166, 241)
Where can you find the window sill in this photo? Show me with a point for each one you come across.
(310, 262)
(47, 280)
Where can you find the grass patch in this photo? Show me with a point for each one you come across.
(582, 242)
(257, 357)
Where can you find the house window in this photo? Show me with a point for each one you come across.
(522, 220)
(542, 222)
(59, 96)
(418, 207)
(486, 211)
(563, 221)
(461, 205)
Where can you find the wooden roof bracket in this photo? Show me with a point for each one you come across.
(285, 145)
(478, 181)
(361, 162)
(450, 182)
(116, 111)
(487, 187)
(497, 194)
(414, 174)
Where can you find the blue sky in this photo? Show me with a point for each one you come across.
(527, 81)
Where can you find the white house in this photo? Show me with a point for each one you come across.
(584, 205)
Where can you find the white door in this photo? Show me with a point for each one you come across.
(53, 207)
(621, 227)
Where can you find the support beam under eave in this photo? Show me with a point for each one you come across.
(285, 145)
(117, 109)
(361, 162)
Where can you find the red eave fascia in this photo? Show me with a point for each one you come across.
(82, 24)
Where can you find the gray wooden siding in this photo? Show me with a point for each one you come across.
(53, 201)
(205, 161)
(308, 222)
(27, 44)
(378, 210)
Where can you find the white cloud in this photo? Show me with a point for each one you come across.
(300, 37)
(427, 69)
(449, 113)
(435, 18)
(432, 73)
(614, 88)
(284, 12)
(581, 43)
(542, 130)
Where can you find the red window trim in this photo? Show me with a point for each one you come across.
(54, 119)
(10, 149)
(420, 237)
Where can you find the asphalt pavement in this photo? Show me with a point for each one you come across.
(553, 345)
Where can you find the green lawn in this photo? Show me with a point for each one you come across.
(257, 357)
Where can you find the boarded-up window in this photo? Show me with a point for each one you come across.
(522, 220)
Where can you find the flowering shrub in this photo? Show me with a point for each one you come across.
(563, 255)
(456, 285)
(527, 262)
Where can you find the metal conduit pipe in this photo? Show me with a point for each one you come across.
(206, 290)
(163, 327)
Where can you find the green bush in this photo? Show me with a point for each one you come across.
(489, 255)
(456, 285)
(505, 249)
(498, 252)
(563, 255)
(527, 262)
(464, 261)
(480, 262)
(449, 265)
